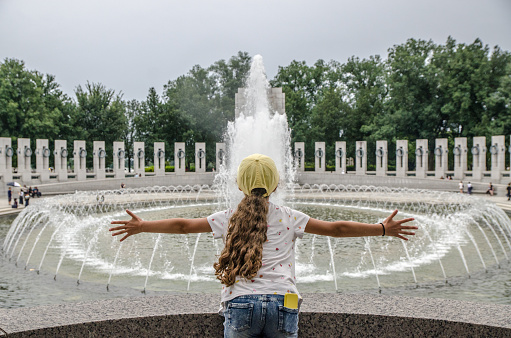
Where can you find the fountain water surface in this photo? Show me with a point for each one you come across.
(458, 252)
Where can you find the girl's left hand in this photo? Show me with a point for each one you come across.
(396, 229)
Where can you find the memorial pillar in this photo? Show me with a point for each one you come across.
(42, 160)
(340, 157)
(382, 158)
(200, 157)
(119, 156)
(460, 152)
(139, 158)
(80, 160)
(498, 157)
(441, 151)
(6, 154)
(220, 156)
(60, 154)
(361, 158)
(319, 156)
(478, 157)
(24, 159)
(401, 158)
(159, 158)
(421, 158)
(299, 156)
(179, 158)
(99, 159)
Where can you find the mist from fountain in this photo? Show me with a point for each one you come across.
(257, 129)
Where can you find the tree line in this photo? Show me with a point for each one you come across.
(421, 90)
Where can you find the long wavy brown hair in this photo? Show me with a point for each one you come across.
(243, 252)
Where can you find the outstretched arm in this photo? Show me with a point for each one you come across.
(356, 229)
(166, 226)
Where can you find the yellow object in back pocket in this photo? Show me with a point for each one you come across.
(291, 300)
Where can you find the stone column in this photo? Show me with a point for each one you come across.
(139, 158)
(6, 154)
(340, 157)
(460, 152)
(24, 159)
(498, 157)
(441, 151)
(159, 158)
(319, 156)
(221, 156)
(60, 159)
(478, 157)
(119, 155)
(299, 156)
(277, 100)
(80, 160)
(401, 158)
(99, 159)
(200, 157)
(179, 158)
(42, 160)
(361, 157)
(421, 158)
(382, 158)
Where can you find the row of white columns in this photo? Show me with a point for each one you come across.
(61, 154)
(422, 153)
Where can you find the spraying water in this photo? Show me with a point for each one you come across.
(257, 129)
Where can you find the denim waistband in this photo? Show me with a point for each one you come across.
(262, 298)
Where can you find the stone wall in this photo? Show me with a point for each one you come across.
(321, 315)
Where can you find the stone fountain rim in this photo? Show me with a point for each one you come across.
(390, 311)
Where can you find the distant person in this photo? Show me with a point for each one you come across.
(490, 190)
(508, 191)
(21, 197)
(15, 204)
(37, 193)
(136, 175)
(469, 188)
(9, 195)
(123, 185)
(460, 185)
(27, 199)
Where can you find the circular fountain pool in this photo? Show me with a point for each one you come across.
(60, 250)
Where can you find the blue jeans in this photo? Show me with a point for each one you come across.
(259, 316)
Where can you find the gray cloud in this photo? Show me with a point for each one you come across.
(133, 45)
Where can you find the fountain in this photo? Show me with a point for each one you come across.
(459, 250)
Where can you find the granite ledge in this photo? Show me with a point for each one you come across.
(321, 315)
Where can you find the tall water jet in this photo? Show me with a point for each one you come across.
(257, 129)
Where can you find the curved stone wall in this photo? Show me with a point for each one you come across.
(322, 315)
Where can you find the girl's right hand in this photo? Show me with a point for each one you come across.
(129, 228)
(396, 229)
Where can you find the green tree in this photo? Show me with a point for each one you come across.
(411, 109)
(101, 113)
(32, 105)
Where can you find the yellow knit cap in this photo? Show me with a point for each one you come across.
(257, 171)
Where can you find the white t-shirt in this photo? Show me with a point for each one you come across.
(277, 273)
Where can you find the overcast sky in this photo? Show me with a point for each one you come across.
(131, 46)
